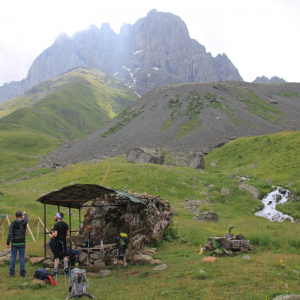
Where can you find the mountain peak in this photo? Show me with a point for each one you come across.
(151, 12)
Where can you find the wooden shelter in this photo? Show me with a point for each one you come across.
(77, 196)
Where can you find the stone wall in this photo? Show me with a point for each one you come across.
(105, 222)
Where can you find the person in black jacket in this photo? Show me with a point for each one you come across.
(16, 235)
(60, 233)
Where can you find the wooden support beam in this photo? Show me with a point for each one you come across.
(70, 229)
(3, 228)
(32, 225)
(7, 220)
(130, 233)
(138, 230)
(27, 217)
(105, 175)
(38, 230)
(30, 232)
(45, 229)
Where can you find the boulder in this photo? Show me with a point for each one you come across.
(99, 263)
(115, 262)
(48, 263)
(233, 176)
(207, 216)
(249, 189)
(97, 256)
(246, 257)
(287, 297)
(159, 268)
(195, 161)
(225, 191)
(269, 181)
(36, 260)
(140, 155)
(37, 282)
(104, 273)
(156, 262)
(202, 271)
(213, 164)
(82, 257)
(142, 259)
(148, 252)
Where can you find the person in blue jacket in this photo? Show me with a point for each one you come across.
(16, 236)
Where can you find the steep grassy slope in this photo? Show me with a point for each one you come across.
(69, 106)
(276, 244)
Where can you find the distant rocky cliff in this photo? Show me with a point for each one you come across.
(264, 79)
(155, 51)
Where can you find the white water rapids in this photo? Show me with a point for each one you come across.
(270, 202)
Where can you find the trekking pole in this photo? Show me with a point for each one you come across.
(126, 266)
(56, 274)
(64, 267)
(70, 263)
(87, 257)
(117, 262)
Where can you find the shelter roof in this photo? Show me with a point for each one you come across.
(76, 195)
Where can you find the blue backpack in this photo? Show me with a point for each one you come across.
(41, 274)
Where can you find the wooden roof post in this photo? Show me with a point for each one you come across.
(70, 221)
(130, 232)
(45, 230)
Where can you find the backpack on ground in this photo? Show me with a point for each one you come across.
(43, 274)
(79, 284)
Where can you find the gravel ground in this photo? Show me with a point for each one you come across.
(229, 119)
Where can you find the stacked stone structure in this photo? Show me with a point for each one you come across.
(107, 219)
(237, 245)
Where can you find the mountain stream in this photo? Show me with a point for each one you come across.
(270, 201)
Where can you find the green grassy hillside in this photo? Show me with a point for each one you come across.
(69, 106)
(276, 254)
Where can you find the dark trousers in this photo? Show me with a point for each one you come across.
(14, 250)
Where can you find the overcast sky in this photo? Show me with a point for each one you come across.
(261, 37)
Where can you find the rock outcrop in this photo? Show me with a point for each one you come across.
(207, 216)
(249, 189)
(155, 51)
(140, 155)
(264, 79)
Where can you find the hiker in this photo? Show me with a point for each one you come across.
(16, 235)
(74, 252)
(61, 230)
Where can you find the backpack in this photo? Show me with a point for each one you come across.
(43, 274)
(79, 284)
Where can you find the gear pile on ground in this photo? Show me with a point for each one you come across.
(237, 245)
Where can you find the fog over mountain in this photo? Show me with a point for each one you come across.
(155, 51)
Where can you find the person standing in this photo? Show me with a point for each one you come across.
(16, 235)
(60, 233)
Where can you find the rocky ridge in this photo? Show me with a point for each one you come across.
(157, 50)
(185, 118)
(264, 79)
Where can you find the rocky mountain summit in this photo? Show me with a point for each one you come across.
(264, 79)
(183, 119)
(155, 51)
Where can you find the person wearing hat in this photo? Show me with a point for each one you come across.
(16, 235)
(60, 233)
